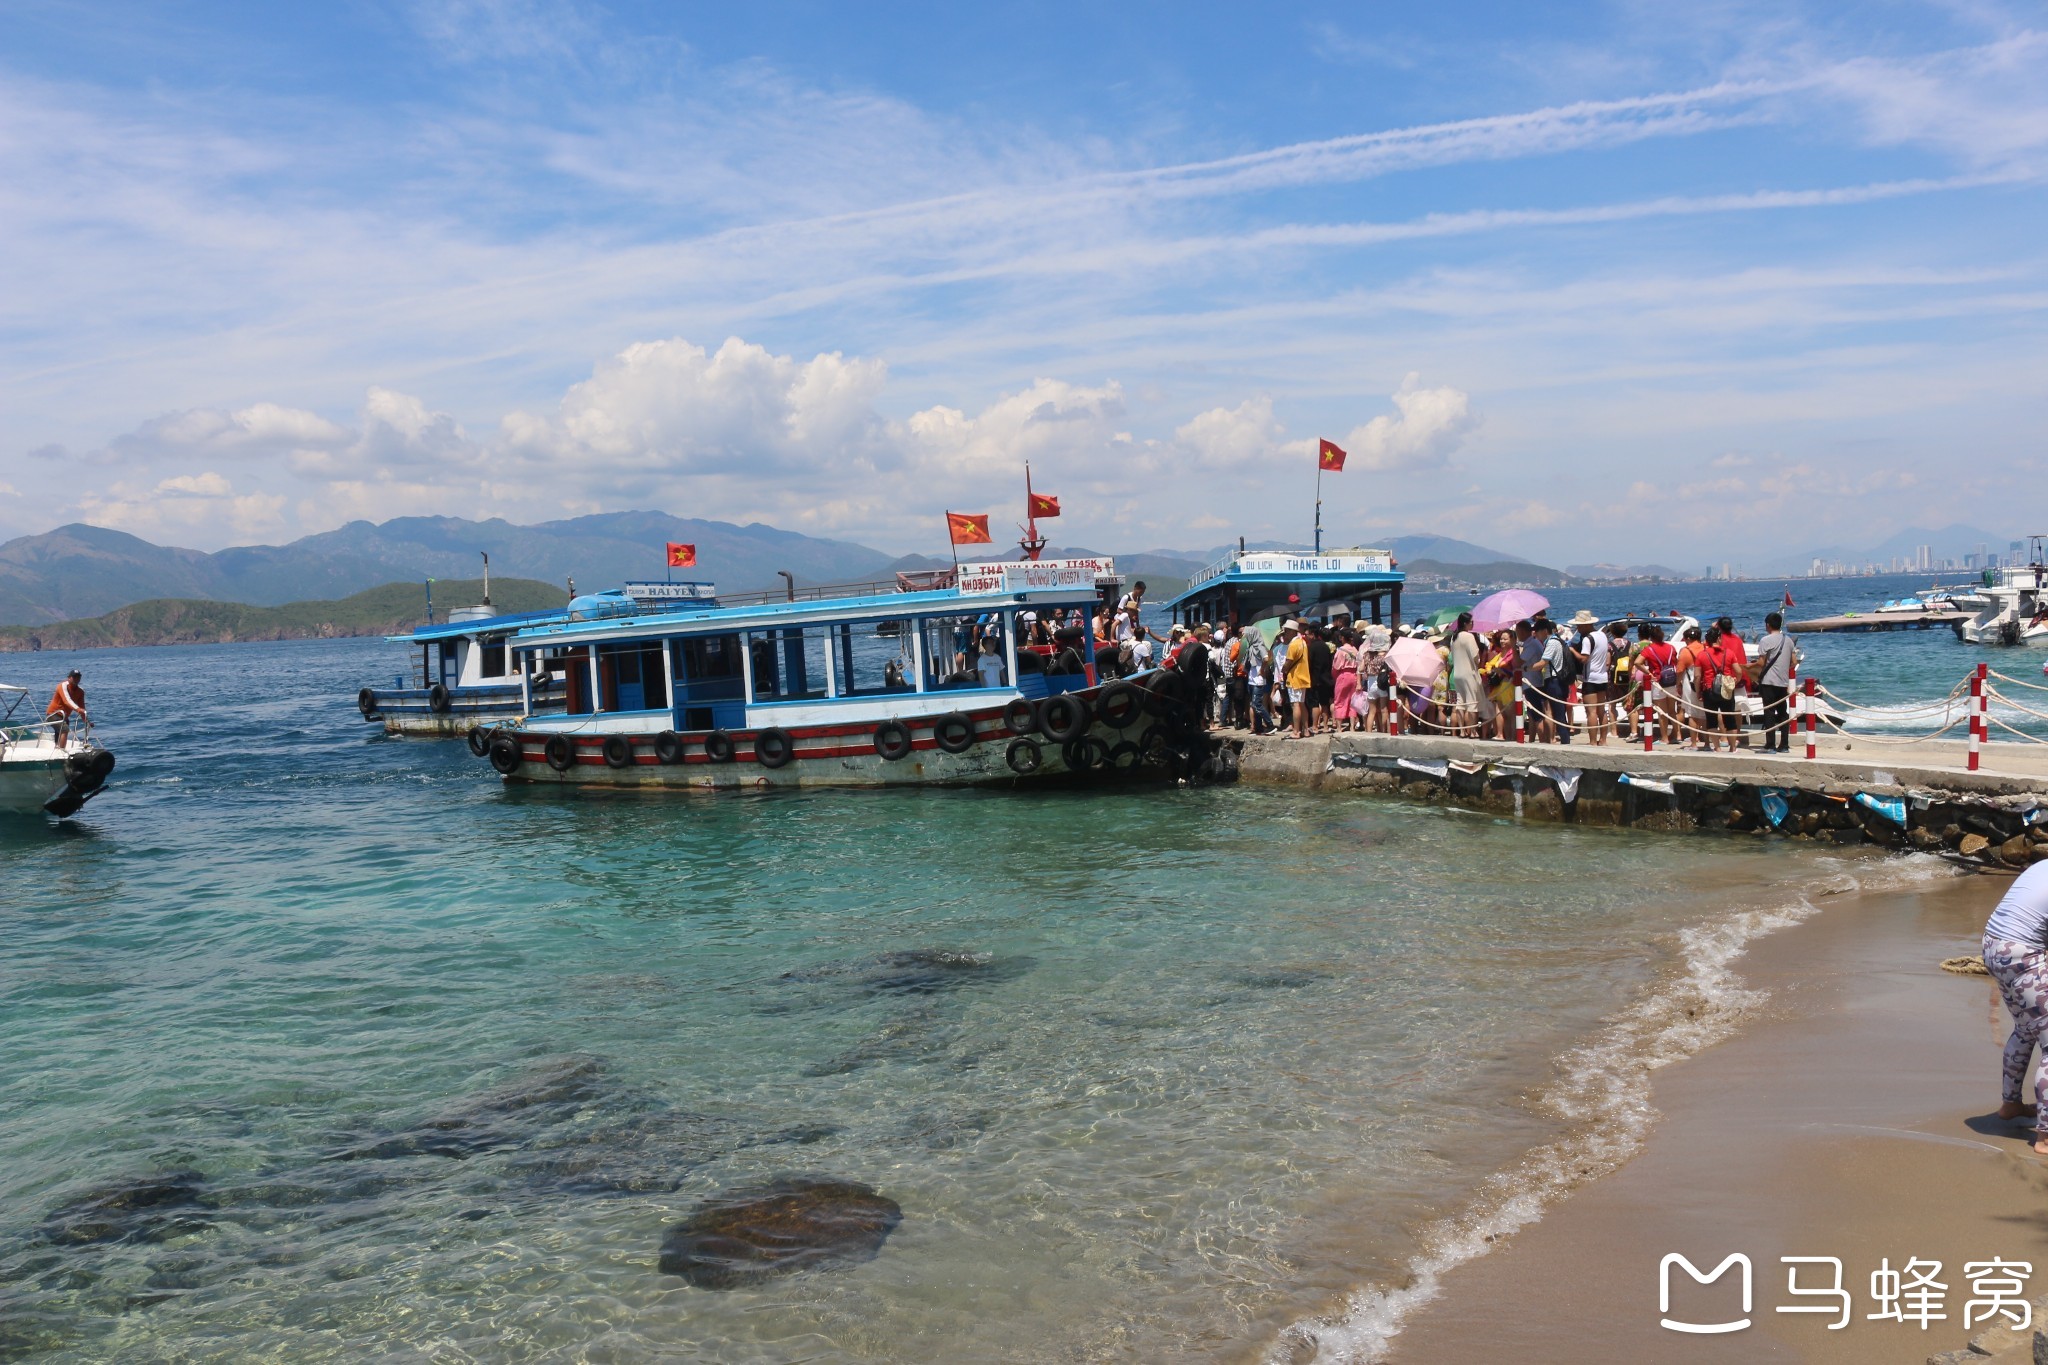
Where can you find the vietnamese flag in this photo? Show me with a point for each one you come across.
(968, 530)
(1330, 456)
(1044, 505)
(682, 556)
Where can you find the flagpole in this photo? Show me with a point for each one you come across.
(1319, 501)
(954, 546)
(1030, 516)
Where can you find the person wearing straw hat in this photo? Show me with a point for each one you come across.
(1590, 651)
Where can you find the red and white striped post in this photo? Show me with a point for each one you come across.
(1647, 720)
(1810, 705)
(1521, 734)
(1979, 730)
(1394, 708)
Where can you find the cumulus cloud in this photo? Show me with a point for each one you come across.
(259, 429)
(1424, 431)
(1235, 438)
(184, 502)
(1051, 422)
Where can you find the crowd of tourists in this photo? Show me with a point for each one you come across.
(1577, 680)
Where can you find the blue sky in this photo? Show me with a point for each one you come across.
(1615, 283)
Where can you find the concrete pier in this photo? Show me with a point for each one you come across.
(1918, 795)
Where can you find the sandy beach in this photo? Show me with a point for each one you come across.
(1851, 1118)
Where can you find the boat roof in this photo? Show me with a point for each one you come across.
(10, 687)
(485, 625)
(864, 607)
(1301, 574)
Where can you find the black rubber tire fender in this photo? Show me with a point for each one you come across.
(1165, 692)
(719, 748)
(892, 740)
(618, 751)
(1123, 756)
(1083, 753)
(479, 740)
(1021, 716)
(1064, 717)
(774, 747)
(1154, 744)
(1024, 756)
(954, 733)
(506, 755)
(366, 702)
(560, 751)
(668, 747)
(1119, 705)
(438, 699)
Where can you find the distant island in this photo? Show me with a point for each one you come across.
(390, 609)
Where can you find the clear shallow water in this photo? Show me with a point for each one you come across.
(1225, 1054)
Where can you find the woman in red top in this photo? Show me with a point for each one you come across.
(1654, 656)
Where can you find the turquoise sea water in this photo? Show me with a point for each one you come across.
(1205, 1062)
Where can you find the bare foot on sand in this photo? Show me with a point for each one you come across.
(2013, 1109)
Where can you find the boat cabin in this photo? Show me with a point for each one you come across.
(870, 654)
(1244, 587)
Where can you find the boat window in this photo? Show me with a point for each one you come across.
(630, 678)
(788, 662)
(952, 648)
(492, 664)
(872, 658)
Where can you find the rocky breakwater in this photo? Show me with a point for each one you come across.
(1983, 819)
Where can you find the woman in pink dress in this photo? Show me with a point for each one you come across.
(1344, 682)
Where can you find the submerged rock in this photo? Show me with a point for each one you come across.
(916, 971)
(504, 1116)
(648, 1154)
(789, 1224)
(147, 1209)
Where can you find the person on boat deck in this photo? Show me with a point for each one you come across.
(2016, 955)
(68, 700)
(990, 664)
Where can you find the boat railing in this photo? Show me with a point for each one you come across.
(38, 732)
(1215, 570)
(825, 592)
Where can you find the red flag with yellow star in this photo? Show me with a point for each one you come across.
(682, 556)
(1044, 505)
(1330, 456)
(965, 529)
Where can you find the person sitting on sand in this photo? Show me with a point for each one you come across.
(2016, 955)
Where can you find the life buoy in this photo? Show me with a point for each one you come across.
(892, 740)
(1083, 753)
(719, 748)
(1119, 704)
(1063, 717)
(1021, 716)
(774, 747)
(437, 698)
(618, 751)
(506, 755)
(668, 747)
(1123, 756)
(1024, 756)
(954, 733)
(479, 741)
(560, 752)
(366, 702)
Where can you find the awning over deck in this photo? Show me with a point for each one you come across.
(1246, 587)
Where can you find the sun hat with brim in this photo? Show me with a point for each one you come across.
(1584, 618)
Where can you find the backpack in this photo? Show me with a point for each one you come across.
(1568, 671)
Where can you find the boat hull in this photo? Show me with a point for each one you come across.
(849, 755)
(25, 785)
(413, 710)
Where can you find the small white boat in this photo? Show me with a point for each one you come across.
(2015, 605)
(38, 775)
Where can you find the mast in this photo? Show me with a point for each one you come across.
(1033, 544)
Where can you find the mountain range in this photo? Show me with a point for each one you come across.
(80, 571)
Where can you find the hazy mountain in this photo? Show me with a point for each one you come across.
(1949, 542)
(78, 570)
(1599, 572)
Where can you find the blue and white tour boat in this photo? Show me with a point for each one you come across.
(984, 676)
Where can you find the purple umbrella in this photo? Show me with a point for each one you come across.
(1506, 608)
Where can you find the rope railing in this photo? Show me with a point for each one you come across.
(2018, 682)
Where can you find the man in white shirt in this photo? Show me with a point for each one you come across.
(1774, 657)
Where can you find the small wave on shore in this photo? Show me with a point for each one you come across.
(1602, 1093)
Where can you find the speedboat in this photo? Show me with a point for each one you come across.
(2015, 605)
(461, 676)
(40, 775)
(783, 693)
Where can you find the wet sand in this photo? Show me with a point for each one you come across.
(1851, 1119)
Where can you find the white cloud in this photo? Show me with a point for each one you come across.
(1424, 432)
(183, 503)
(1052, 423)
(259, 429)
(1237, 438)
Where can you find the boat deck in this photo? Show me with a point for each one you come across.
(1866, 623)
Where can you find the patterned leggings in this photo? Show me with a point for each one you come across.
(2021, 971)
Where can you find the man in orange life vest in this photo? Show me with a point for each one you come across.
(67, 699)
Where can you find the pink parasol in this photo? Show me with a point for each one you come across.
(1506, 608)
(1415, 662)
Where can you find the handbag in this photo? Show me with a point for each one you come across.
(1725, 685)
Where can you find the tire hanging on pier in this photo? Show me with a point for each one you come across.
(1063, 717)
(479, 740)
(719, 748)
(892, 740)
(668, 747)
(506, 755)
(438, 699)
(774, 747)
(1119, 705)
(954, 733)
(618, 751)
(1024, 756)
(560, 752)
(366, 702)
(1021, 716)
